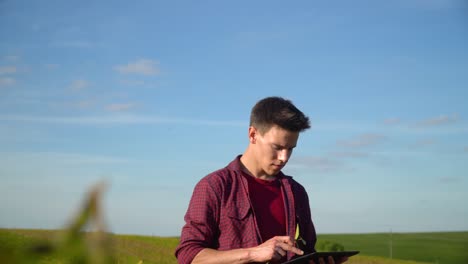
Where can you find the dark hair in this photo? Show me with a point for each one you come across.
(278, 111)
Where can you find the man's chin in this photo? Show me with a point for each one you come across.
(276, 168)
(273, 172)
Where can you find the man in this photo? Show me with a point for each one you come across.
(249, 211)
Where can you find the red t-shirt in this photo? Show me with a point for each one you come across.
(219, 217)
(268, 205)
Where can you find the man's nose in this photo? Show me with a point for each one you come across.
(284, 154)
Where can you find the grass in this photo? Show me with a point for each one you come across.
(408, 248)
(361, 259)
(125, 248)
(438, 247)
(71, 245)
(148, 249)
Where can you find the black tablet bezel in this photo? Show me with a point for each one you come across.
(324, 254)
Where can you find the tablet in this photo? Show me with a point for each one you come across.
(316, 255)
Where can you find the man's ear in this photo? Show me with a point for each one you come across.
(253, 132)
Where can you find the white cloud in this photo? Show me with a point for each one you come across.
(120, 107)
(423, 143)
(7, 70)
(36, 27)
(78, 85)
(322, 164)
(121, 119)
(363, 140)
(12, 58)
(7, 81)
(448, 180)
(132, 82)
(349, 154)
(74, 44)
(392, 121)
(51, 66)
(438, 120)
(141, 66)
(84, 104)
(435, 4)
(64, 158)
(252, 38)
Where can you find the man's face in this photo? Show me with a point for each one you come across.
(273, 148)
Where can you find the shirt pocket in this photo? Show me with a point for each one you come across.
(237, 228)
(238, 211)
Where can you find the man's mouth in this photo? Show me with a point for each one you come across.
(278, 166)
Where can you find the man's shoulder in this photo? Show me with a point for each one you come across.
(288, 178)
(221, 176)
(296, 186)
(229, 171)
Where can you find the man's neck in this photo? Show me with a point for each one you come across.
(249, 166)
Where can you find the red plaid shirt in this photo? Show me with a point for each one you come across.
(220, 214)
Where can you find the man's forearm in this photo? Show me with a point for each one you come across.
(235, 256)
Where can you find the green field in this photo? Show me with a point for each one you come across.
(440, 247)
(408, 248)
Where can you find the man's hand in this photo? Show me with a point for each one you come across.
(274, 249)
(330, 261)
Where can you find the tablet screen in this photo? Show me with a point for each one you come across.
(316, 255)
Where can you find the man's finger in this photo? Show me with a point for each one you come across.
(288, 247)
(343, 260)
(284, 239)
(280, 251)
(321, 261)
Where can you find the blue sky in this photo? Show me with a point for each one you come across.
(153, 95)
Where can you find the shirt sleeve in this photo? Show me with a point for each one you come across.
(307, 226)
(201, 221)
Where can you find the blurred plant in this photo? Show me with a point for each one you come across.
(73, 244)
